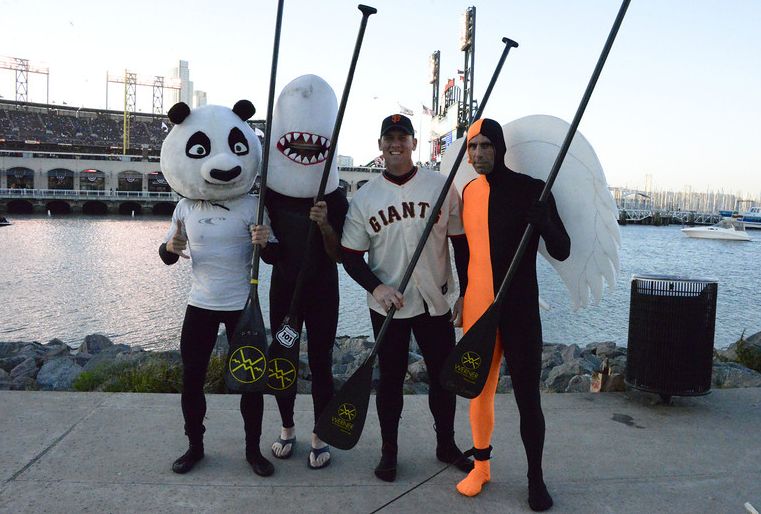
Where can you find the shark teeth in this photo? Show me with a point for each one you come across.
(314, 138)
(282, 140)
(296, 135)
(288, 137)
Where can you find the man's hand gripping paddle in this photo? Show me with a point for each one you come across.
(343, 419)
(283, 357)
(467, 367)
(246, 361)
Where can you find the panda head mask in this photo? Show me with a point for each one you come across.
(211, 152)
(302, 125)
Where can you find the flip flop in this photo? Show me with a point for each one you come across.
(317, 452)
(282, 442)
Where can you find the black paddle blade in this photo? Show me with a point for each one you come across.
(343, 419)
(283, 358)
(246, 361)
(467, 367)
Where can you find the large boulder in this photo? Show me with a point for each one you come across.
(561, 376)
(731, 374)
(579, 384)
(570, 352)
(95, 343)
(26, 369)
(5, 380)
(418, 372)
(58, 374)
(8, 348)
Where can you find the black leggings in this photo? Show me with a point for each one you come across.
(524, 363)
(199, 333)
(436, 339)
(320, 315)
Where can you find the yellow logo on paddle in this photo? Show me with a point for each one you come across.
(247, 364)
(471, 360)
(344, 420)
(281, 374)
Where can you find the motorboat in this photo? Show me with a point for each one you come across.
(4, 222)
(728, 229)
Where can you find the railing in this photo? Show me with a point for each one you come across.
(71, 194)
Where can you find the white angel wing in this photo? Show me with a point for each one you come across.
(581, 193)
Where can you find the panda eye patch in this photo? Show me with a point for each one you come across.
(237, 142)
(198, 146)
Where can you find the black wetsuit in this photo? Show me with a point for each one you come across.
(290, 222)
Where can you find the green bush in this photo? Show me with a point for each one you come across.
(149, 376)
(748, 355)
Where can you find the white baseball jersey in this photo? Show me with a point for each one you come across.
(219, 243)
(387, 220)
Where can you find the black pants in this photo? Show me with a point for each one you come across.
(319, 306)
(523, 355)
(199, 333)
(436, 339)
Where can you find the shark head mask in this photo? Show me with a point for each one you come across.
(302, 124)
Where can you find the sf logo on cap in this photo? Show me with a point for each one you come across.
(396, 117)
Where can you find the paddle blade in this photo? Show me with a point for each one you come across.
(246, 361)
(343, 419)
(467, 367)
(283, 358)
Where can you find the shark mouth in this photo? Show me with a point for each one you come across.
(304, 148)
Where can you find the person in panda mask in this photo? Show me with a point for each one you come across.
(302, 124)
(210, 158)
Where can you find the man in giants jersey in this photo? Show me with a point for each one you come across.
(386, 219)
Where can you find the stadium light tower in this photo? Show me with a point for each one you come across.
(468, 46)
(23, 69)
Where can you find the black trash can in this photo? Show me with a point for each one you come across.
(671, 331)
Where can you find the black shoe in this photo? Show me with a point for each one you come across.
(188, 460)
(451, 454)
(539, 498)
(260, 464)
(386, 468)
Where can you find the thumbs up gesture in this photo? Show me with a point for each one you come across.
(178, 242)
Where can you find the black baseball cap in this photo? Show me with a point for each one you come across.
(397, 121)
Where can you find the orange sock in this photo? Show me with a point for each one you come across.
(472, 484)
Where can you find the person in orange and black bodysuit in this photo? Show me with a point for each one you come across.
(497, 206)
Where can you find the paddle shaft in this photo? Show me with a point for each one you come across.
(563, 151)
(509, 43)
(367, 11)
(266, 151)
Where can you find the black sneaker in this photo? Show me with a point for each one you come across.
(188, 460)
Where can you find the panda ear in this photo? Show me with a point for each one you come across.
(244, 109)
(178, 113)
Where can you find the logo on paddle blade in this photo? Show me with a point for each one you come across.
(286, 336)
(347, 411)
(471, 359)
(247, 364)
(281, 374)
(344, 420)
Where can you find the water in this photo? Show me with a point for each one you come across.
(67, 277)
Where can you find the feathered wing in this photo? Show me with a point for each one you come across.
(581, 193)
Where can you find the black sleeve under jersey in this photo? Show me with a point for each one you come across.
(357, 268)
(554, 234)
(461, 258)
(167, 256)
(338, 206)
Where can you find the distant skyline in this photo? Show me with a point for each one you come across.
(678, 100)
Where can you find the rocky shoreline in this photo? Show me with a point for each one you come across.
(599, 367)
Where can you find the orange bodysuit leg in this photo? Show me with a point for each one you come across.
(478, 297)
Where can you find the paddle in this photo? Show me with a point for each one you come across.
(341, 422)
(467, 367)
(283, 357)
(246, 363)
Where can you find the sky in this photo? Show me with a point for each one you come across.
(678, 104)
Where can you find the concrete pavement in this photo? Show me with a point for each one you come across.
(611, 452)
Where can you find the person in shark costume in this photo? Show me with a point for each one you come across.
(302, 125)
(210, 158)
